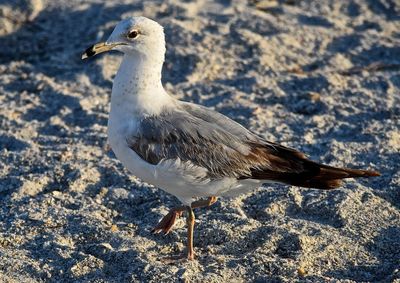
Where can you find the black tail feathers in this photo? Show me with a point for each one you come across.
(324, 177)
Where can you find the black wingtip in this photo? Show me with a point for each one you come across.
(371, 173)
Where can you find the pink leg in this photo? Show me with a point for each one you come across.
(168, 221)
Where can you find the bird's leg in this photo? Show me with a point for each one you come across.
(204, 202)
(168, 221)
(190, 224)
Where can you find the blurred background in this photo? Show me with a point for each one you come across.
(319, 76)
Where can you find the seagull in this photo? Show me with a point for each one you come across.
(188, 150)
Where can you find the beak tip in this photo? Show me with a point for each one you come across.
(89, 52)
(98, 48)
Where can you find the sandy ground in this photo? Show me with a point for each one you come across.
(319, 76)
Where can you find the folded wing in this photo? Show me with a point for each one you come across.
(211, 140)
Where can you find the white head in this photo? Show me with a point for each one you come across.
(138, 36)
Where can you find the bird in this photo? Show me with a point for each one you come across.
(188, 150)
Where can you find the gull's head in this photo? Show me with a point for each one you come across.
(136, 35)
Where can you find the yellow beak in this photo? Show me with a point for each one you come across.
(99, 48)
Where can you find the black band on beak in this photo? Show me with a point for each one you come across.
(100, 48)
(89, 52)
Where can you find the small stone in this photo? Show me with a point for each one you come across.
(301, 271)
(103, 192)
(220, 260)
(57, 194)
(131, 225)
(106, 246)
(267, 4)
(314, 96)
(66, 155)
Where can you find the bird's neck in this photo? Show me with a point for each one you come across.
(137, 86)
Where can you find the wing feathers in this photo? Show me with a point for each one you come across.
(212, 141)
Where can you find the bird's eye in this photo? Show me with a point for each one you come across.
(133, 34)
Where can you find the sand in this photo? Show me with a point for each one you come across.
(319, 76)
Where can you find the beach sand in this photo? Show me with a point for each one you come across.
(319, 76)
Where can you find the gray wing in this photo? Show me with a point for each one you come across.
(210, 140)
(216, 118)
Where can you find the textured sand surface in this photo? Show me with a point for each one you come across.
(319, 76)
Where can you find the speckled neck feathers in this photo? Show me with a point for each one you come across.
(137, 86)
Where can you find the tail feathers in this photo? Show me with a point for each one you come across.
(324, 177)
(288, 166)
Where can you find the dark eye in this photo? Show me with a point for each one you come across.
(133, 34)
